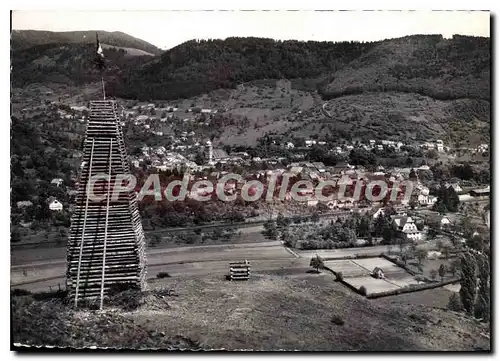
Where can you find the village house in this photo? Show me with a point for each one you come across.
(310, 143)
(79, 108)
(439, 145)
(378, 273)
(345, 203)
(312, 202)
(444, 222)
(378, 213)
(424, 167)
(482, 148)
(338, 150)
(24, 204)
(296, 170)
(407, 227)
(421, 189)
(456, 187)
(426, 200)
(54, 204)
(319, 166)
(57, 181)
(388, 143)
(141, 119)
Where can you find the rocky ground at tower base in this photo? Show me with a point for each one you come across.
(294, 312)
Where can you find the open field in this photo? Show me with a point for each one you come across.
(342, 252)
(177, 261)
(436, 297)
(266, 313)
(372, 285)
(23, 255)
(370, 263)
(347, 267)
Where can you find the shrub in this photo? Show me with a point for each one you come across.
(420, 278)
(454, 303)
(362, 290)
(19, 292)
(59, 294)
(340, 276)
(433, 274)
(336, 319)
(317, 263)
(162, 275)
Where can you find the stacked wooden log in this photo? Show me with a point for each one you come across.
(106, 243)
(239, 271)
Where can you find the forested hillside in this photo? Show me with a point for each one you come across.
(197, 67)
(428, 65)
(424, 64)
(66, 63)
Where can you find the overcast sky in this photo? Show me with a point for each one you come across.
(166, 29)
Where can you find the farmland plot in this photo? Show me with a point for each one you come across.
(347, 267)
(370, 263)
(372, 285)
(357, 273)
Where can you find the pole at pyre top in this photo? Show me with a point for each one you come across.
(100, 63)
(103, 88)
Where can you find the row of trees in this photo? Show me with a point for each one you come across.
(475, 294)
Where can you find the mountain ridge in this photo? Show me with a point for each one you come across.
(429, 65)
(22, 39)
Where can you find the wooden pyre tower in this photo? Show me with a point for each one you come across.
(106, 243)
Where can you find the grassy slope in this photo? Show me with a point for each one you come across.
(266, 313)
(403, 116)
(372, 115)
(21, 39)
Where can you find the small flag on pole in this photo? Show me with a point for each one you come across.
(99, 54)
(100, 63)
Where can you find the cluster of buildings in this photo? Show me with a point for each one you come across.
(438, 145)
(185, 150)
(412, 228)
(162, 159)
(370, 145)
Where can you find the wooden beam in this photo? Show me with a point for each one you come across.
(83, 231)
(106, 224)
